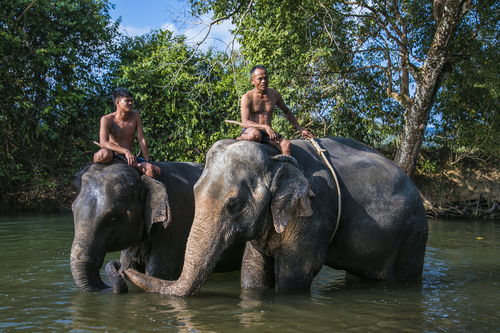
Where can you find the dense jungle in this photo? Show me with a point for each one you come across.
(417, 80)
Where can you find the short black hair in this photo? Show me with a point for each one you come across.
(254, 68)
(121, 92)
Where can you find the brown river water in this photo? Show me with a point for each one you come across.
(459, 292)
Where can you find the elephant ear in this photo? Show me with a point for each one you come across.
(156, 204)
(291, 193)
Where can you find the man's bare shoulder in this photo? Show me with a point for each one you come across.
(273, 92)
(247, 95)
(109, 117)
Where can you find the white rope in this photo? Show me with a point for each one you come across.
(321, 152)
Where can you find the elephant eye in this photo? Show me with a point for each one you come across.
(234, 205)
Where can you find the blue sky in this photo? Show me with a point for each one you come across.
(140, 17)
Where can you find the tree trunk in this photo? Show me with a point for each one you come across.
(428, 81)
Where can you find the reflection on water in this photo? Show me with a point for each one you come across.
(459, 291)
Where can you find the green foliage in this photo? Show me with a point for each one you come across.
(183, 97)
(61, 59)
(329, 61)
(307, 47)
(466, 116)
(427, 166)
(54, 54)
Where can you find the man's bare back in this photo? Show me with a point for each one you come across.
(257, 107)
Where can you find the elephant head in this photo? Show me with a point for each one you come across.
(243, 192)
(113, 209)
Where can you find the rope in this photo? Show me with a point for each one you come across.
(321, 152)
(234, 122)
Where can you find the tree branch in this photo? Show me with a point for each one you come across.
(25, 10)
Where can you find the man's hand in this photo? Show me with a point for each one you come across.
(306, 134)
(130, 158)
(270, 132)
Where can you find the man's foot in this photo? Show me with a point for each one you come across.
(149, 169)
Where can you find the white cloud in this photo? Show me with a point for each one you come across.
(219, 37)
(170, 27)
(134, 31)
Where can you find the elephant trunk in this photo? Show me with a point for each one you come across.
(203, 250)
(85, 269)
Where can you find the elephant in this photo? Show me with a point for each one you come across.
(148, 219)
(286, 209)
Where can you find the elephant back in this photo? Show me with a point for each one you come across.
(371, 184)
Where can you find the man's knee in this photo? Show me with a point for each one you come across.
(103, 156)
(253, 134)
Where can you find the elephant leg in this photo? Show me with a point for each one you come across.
(257, 270)
(129, 258)
(295, 270)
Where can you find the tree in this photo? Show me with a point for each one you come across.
(465, 118)
(305, 63)
(407, 42)
(54, 57)
(183, 96)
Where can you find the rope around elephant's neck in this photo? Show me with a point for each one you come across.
(321, 152)
(334, 174)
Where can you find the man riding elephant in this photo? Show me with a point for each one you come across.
(257, 107)
(116, 135)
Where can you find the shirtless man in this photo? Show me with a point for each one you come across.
(116, 135)
(257, 113)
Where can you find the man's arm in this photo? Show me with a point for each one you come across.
(246, 103)
(291, 118)
(140, 137)
(105, 143)
(144, 145)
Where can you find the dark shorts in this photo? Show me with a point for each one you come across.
(264, 137)
(122, 158)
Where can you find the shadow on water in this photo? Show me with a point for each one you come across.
(459, 291)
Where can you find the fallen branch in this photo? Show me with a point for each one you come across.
(477, 209)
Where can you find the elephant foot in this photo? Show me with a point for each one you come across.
(116, 280)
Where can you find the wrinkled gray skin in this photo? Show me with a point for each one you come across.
(149, 219)
(245, 192)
